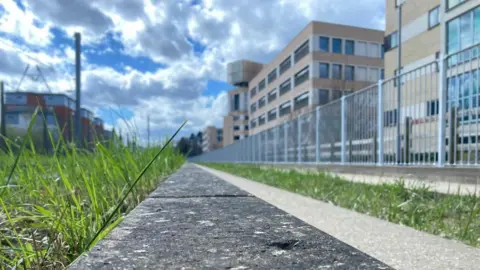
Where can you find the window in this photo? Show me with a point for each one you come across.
(302, 76)
(301, 51)
(382, 51)
(374, 50)
(350, 47)
(253, 91)
(261, 120)
(236, 102)
(390, 118)
(253, 123)
(336, 94)
(432, 107)
(236, 128)
(261, 102)
(463, 32)
(394, 40)
(246, 127)
(390, 41)
(246, 117)
(272, 76)
(272, 95)
(434, 17)
(301, 101)
(236, 138)
(382, 74)
(361, 74)
(285, 65)
(236, 118)
(349, 73)
(324, 44)
(12, 119)
(272, 115)
(253, 107)
(285, 87)
(261, 85)
(337, 45)
(336, 72)
(285, 108)
(373, 75)
(454, 3)
(361, 48)
(323, 96)
(324, 70)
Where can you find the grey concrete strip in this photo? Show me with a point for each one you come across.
(398, 246)
(218, 227)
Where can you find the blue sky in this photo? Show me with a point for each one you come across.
(166, 59)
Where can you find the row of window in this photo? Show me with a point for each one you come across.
(238, 118)
(350, 72)
(351, 47)
(299, 102)
(238, 127)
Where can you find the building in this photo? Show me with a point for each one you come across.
(432, 30)
(63, 108)
(235, 124)
(86, 118)
(322, 63)
(99, 129)
(212, 138)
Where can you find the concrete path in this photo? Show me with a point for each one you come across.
(398, 246)
(195, 220)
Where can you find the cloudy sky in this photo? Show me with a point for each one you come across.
(163, 58)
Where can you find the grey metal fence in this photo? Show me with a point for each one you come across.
(426, 116)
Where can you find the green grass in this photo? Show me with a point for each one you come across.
(53, 208)
(450, 216)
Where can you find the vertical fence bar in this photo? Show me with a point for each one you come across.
(317, 136)
(442, 104)
(343, 130)
(299, 139)
(380, 123)
(275, 143)
(285, 141)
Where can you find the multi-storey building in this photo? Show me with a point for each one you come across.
(448, 30)
(86, 118)
(212, 138)
(322, 63)
(235, 124)
(63, 108)
(99, 129)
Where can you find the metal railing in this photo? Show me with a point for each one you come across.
(437, 123)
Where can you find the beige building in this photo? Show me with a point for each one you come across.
(235, 124)
(212, 138)
(322, 63)
(430, 29)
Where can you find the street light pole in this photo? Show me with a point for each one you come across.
(399, 81)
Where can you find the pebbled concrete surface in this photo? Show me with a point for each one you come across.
(401, 247)
(195, 220)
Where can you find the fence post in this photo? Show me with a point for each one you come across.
(275, 143)
(380, 115)
(408, 121)
(299, 139)
(442, 106)
(3, 125)
(452, 141)
(343, 130)
(285, 140)
(317, 136)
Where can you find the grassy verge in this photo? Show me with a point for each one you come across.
(450, 216)
(53, 208)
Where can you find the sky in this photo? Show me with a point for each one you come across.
(162, 59)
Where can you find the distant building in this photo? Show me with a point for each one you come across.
(212, 138)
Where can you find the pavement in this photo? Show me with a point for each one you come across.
(398, 246)
(196, 220)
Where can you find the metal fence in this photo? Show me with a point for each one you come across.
(426, 116)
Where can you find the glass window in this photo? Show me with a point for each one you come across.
(323, 96)
(285, 108)
(236, 128)
(302, 51)
(361, 48)
(453, 3)
(382, 51)
(285, 87)
(261, 120)
(466, 34)
(253, 123)
(324, 44)
(432, 107)
(301, 101)
(302, 76)
(285, 65)
(374, 50)
(253, 92)
(253, 107)
(261, 85)
(337, 45)
(434, 17)
(476, 25)
(272, 76)
(272, 96)
(373, 75)
(324, 70)
(261, 102)
(453, 36)
(394, 39)
(349, 47)
(336, 94)
(361, 74)
(349, 73)
(382, 74)
(336, 72)
(236, 102)
(236, 138)
(272, 115)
